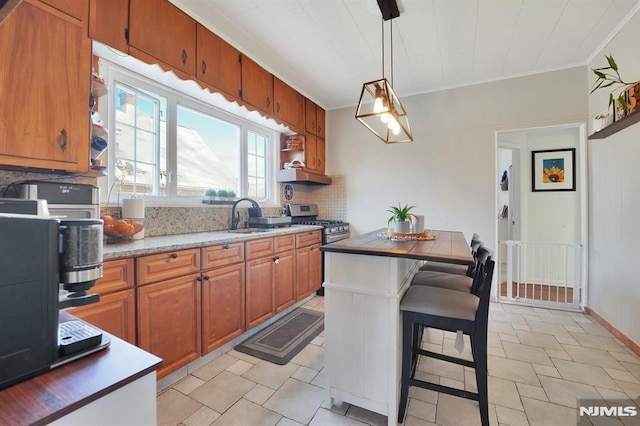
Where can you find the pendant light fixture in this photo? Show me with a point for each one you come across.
(379, 108)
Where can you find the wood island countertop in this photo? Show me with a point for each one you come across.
(449, 246)
(52, 395)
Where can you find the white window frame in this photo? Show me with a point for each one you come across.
(197, 100)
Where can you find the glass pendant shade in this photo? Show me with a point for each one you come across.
(380, 110)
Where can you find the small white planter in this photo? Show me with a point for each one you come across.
(403, 227)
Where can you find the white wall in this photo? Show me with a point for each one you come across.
(614, 200)
(449, 171)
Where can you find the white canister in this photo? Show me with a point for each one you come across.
(133, 208)
(418, 224)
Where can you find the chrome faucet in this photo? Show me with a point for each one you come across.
(235, 217)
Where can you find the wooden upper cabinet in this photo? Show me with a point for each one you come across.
(314, 117)
(45, 73)
(74, 8)
(161, 30)
(109, 23)
(257, 86)
(218, 64)
(289, 105)
(320, 155)
(320, 122)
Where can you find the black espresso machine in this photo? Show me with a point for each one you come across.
(46, 264)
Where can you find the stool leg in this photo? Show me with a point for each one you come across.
(480, 358)
(407, 355)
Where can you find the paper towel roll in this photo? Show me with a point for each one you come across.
(418, 224)
(133, 208)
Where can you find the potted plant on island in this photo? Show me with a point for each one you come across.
(401, 218)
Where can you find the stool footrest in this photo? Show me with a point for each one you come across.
(444, 389)
(447, 358)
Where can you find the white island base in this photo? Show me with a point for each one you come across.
(363, 333)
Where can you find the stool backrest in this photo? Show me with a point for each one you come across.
(475, 244)
(482, 279)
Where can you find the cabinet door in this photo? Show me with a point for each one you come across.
(320, 121)
(315, 268)
(222, 255)
(320, 155)
(109, 23)
(222, 306)
(257, 86)
(169, 321)
(289, 105)
(285, 292)
(310, 116)
(116, 275)
(45, 72)
(303, 273)
(310, 151)
(74, 8)
(218, 63)
(259, 291)
(115, 313)
(160, 29)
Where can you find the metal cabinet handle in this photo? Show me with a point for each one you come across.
(199, 279)
(62, 140)
(184, 56)
(268, 102)
(276, 259)
(278, 107)
(204, 67)
(226, 247)
(174, 255)
(207, 278)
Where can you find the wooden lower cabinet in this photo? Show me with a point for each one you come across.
(284, 280)
(222, 305)
(115, 313)
(308, 270)
(169, 323)
(259, 291)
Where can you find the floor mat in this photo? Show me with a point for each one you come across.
(282, 340)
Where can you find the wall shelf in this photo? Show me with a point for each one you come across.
(616, 126)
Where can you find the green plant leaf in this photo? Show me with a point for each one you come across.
(612, 62)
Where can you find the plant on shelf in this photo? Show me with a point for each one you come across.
(222, 193)
(401, 218)
(210, 194)
(231, 194)
(610, 76)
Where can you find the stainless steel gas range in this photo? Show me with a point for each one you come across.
(333, 230)
(307, 214)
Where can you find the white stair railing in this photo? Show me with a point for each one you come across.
(537, 273)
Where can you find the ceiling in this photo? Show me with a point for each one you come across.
(326, 49)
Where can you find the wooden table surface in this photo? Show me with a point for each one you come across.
(49, 396)
(449, 246)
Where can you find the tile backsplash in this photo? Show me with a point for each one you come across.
(331, 201)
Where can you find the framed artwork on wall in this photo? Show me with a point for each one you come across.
(553, 170)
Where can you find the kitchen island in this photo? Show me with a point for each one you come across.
(365, 278)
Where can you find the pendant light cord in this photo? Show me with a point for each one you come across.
(382, 20)
(391, 52)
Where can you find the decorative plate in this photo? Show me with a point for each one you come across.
(394, 236)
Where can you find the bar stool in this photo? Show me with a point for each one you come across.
(450, 280)
(424, 306)
(450, 268)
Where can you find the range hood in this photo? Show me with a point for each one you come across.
(297, 175)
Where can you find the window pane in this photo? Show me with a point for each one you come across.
(123, 99)
(208, 153)
(146, 114)
(145, 146)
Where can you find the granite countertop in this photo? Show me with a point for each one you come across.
(160, 244)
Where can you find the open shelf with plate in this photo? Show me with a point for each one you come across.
(617, 126)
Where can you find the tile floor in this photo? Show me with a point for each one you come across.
(540, 362)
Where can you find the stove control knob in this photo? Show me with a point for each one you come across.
(330, 230)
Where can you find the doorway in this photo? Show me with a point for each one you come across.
(541, 235)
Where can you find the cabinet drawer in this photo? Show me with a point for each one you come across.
(259, 248)
(162, 266)
(308, 238)
(116, 275)
(221, 255)
(284, 243)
